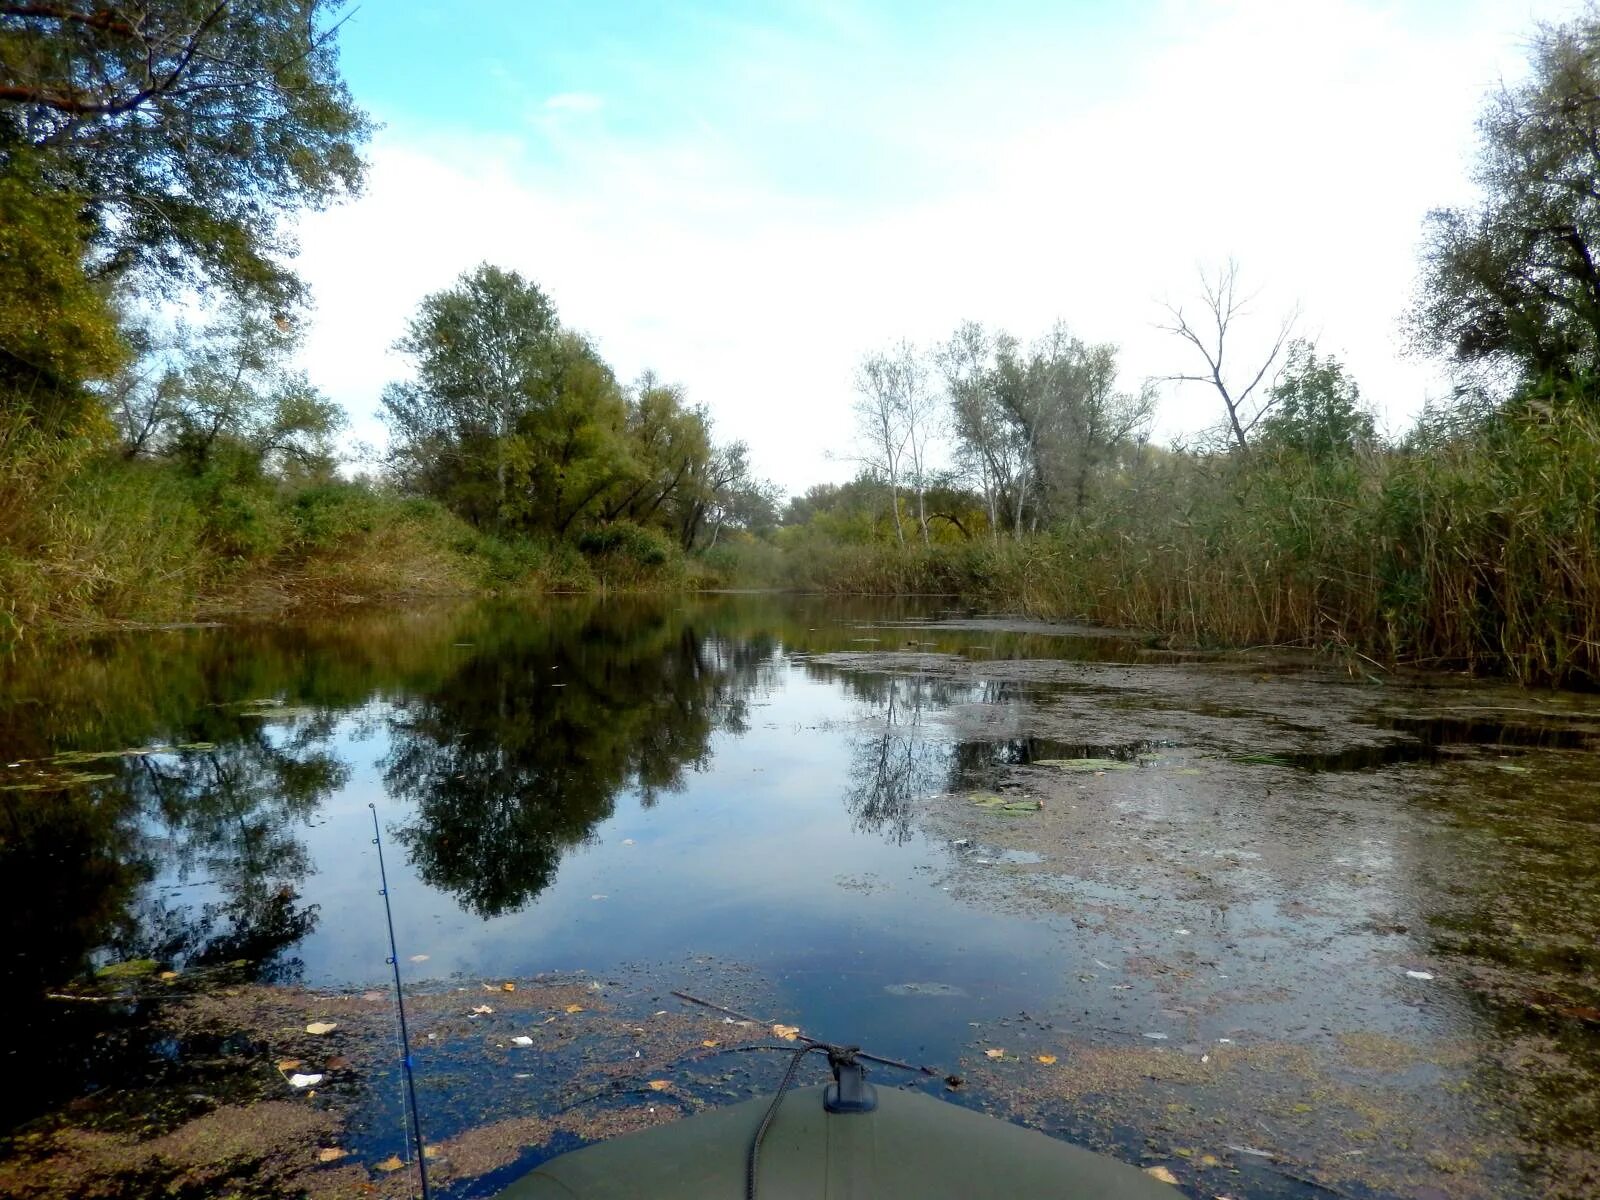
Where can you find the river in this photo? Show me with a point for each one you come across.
(1281, 926)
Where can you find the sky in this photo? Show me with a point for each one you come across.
(748, 198)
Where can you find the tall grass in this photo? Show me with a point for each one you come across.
(1472, 546)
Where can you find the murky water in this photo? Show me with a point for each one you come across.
(1253, 908)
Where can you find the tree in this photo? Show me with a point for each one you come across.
(183, 132)
(1512, 283)
(668, 448)
(880, 421)
(1317, 408)
(1073, 415)
(729, 494)
(57, 330)
(1244, 400)
(1039, 422)
(510, 420)
(989, 446)
(919, 416)
(226, 384)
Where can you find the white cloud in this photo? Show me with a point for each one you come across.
(577, 102)
(1306, 141)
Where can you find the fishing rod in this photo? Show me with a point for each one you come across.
(400, 1005)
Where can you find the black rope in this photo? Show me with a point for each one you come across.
(836, 1055)
(400, 1005)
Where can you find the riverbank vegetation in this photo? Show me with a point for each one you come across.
(1468, 540)
(158, 464)
(160, 456)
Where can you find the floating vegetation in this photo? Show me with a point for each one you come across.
(1004, 804)
(1087, 766)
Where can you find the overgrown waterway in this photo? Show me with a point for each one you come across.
(1285, 929)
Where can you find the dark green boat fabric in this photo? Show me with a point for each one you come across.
(911, 1146)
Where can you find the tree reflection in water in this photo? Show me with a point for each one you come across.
(524, 749)
(898, 759)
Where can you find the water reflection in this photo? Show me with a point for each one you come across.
(524, 749)
(895, 761)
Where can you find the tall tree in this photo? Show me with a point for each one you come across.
(1512, 282)
(1317, 410)
(919, 416)
(510, 420)
(989, 446)
(184, 131)
(1246, 392)
(225, 384)
(880, 422)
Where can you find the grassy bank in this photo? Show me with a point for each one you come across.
(1473, 545)
(118, 542)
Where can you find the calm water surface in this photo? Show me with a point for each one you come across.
(581, 785)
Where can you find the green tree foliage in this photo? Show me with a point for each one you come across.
(1316, 408)
(510, 420)
(147, 150)
(1035, 424)
(187, 129)
(57, 329)
(1512, 283)
(226, 388)
(518, 425)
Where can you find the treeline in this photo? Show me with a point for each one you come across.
(1026, 480)
(151, 160)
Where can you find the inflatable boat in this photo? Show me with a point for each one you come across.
(845, 1139)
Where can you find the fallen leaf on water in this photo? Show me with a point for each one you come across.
(169, 976)
(392, 1163)
(481, 1010)
(1208, 1160)
(288, 1064)
(304, 1081)
(508, 987)
(994, 1053)
(419, 958)
(1047, 1059)
(321, 1027)
(337, 1063)
(710, 1042)
(573, 1008)
(431, 1151)
(331, 1154)
(1161, 1173)
(660, 1085)
(787, 1032)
